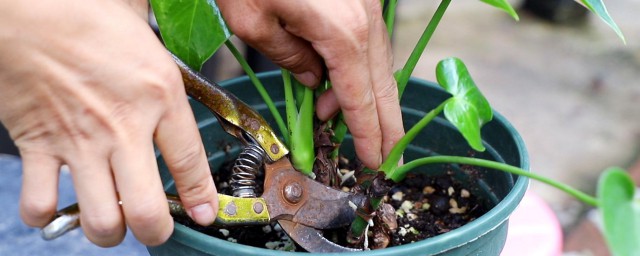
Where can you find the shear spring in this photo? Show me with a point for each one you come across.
(243, 177)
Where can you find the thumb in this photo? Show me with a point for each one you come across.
(179, 141)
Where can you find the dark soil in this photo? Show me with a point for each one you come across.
(429, 206)
(424, 206)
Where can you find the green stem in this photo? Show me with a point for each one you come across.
(290, 103)
(339, 131)
(390, 169)
(300, 124)
(389, 166)
(356, 231)
(390, 16)
(263, 92)
(377, 189)
(402, 170)
(408, 68)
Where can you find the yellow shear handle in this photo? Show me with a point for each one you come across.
(233, 211)
(236, 211)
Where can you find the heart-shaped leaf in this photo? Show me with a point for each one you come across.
(468, 110)
(503, 5)
(192, 30)
(620, 211)
(597, 7)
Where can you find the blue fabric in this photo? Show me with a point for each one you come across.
(18, 239)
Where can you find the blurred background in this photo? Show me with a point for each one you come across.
(563, 78)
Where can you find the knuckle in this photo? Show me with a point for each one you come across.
(144, 215)
(195, 193)
(251, 28)
(376, 6)
(103, 229)
(120, 113)
(186, 160)
(387, 93)
(358, 28)
(36, 213)
(369, 136)
(165, 84)
(159, 91)
(361, 31)
(361, 100)
(293, 59)
(146, 221)
(395, 135)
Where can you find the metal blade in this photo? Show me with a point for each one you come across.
(290, 195)
(311, 239)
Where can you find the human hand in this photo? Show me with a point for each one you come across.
(350, 38)
(87, 84)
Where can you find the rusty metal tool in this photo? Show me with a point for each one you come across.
(302, 206)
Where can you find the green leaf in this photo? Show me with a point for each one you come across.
(620, 212)
(597, 7)
(468, 110)
(191, 29)
(503, 5)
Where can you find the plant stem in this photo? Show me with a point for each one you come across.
(377, 189)
(339, 131)
(302, 151)
(263, 92)
(300, 123)
(410, 65)
(290, 104)
(356, 231)
(390, 16)
(402, 170)
(389, 166)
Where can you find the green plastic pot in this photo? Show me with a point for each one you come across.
(483, 236)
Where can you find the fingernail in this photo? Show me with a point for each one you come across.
(202, 214)
(307, 78)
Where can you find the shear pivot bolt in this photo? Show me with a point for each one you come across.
(293, 192)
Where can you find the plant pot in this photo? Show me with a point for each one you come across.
(483, 236)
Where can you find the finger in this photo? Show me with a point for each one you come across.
(297, 56)
(360, 114)
(144, 203)
(100, 214)
(264, 32)
(348, 69)
(39, 196)
(327, 105)
(179, 141)
(384, 84)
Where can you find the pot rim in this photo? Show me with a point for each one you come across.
(471, 231)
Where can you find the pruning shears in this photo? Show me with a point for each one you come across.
(302, 206)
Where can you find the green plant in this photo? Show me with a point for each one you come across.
(195, 30)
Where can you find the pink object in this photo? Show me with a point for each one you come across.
(533, 229)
